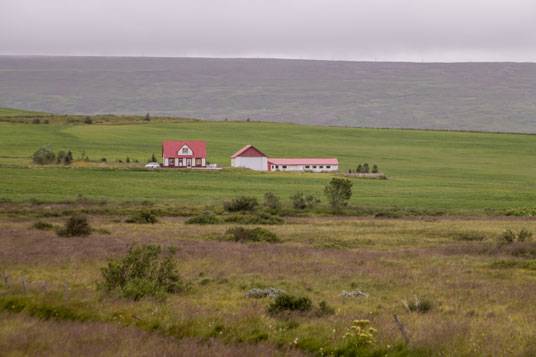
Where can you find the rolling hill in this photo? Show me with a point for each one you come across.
(461, 96)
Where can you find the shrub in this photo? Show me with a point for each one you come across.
(298, 200)
(60, 157)
(142, 272)
(45, 121)
(142, 217)
(510, 236)
(127, 160)
(44, 155)
(325, 309)
(260, 218)
(68, 158)
(271, 200)
(311, 201)
(524, 235)
(204, 219)
(338, 192)
(42, 226)
(88, 120)
(103, 159)
(241, 234)
(147, 117)
(287, 302)
(241, 203)
(36, 121)
(375, 169)
(418, 305)
(76, 225)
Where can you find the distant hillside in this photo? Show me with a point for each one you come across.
(9, 112)
(463, 96)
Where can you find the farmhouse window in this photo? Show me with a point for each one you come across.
(171, 162)
(321, 167)
(185, 150)
(276, 166)
(273, 166)
(306, 166)
(180, 162)
(284, 166)
(328, 167)
(314, 166)
(197, 162)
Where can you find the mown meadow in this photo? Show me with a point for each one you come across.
(450, 170)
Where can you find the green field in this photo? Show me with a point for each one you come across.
(451, 170)
(9, 112)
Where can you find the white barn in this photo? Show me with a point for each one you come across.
(252, 158)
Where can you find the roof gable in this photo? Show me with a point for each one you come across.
(171, 148)
(248, 151)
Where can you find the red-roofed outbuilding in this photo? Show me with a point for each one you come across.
(184, 154)
(252, 158)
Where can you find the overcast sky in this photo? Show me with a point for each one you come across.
(382, 30)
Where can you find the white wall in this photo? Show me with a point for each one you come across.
(302, 168)
(254, 163)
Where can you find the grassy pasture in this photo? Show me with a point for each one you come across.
(451, 170)
(9, 112)
(477, 307)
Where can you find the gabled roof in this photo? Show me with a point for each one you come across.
(252, 151)
(307, 161)
(171, 148)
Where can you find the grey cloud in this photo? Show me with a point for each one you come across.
(436, 30)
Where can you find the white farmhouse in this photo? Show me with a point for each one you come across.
(252, 158)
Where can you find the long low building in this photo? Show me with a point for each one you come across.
(316, 165)
(252, 158)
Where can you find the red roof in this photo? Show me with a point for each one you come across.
(171, 148)
(251, 150)
(307, 161)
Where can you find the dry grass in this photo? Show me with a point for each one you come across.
(21, 335)
(477, 309)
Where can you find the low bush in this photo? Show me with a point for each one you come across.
(142, 217)
(44, 155)
(42, 226)
(241, 234)
(204, 219)
(418, 305)
(143, 271)
(259, 218)
(325, 309)
(271, 201)
(510, 236)
(242, 203)
(76, 225)
(287, 302)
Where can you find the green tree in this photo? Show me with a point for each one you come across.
(60, 157)
(359, 169)
(298, 200)
(88, 120)
(375, 169)
(44, 155)
(68, 158)
(127, 160)
(338, 192)
(153, 159)
(147, 117)
(365, 168)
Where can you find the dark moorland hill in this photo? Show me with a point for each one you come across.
(461, 96)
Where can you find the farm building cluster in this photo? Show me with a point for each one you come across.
(193, 154)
